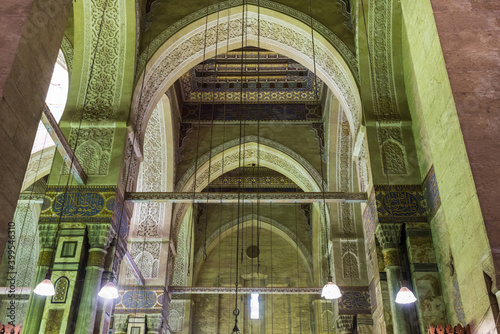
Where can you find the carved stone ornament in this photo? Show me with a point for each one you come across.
(103, 94)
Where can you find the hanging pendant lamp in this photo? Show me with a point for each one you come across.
(109, 291)
(405, 296)
(331, 290)
(45, 288)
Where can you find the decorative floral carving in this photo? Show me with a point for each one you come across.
(380, 37)
(324, 31)
(344, 174)
(102, 96)
(147, 257)
(93, 149)
(364, 176)
(149, 217)
(350, 261)
(181, 260)
(392, 149)
(230, 159)
(67, 50)
(26, 221)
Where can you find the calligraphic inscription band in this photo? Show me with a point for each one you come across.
(405, 203)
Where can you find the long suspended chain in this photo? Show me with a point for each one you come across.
(211, 131)
(244, 86)
(236, 312)
(193, 222)
(297, 254)
(258, 135)
(224, 142)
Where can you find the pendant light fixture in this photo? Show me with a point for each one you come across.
(109, 291)
(405, 296)
(331, 290)
(45, 288)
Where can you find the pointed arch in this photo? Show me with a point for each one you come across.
(278, 32)
(270, 154)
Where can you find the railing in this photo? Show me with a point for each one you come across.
(449, 329)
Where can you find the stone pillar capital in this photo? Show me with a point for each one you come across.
(100, 235)
(154, 323)
(388, 235)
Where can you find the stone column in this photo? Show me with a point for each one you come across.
(345, 324)
(388, 236)
(100, 236)
(105, 307)
(36, 303)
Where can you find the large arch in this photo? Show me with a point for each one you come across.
(270, 154)
(278, 32)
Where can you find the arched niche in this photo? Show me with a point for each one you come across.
(278, 32)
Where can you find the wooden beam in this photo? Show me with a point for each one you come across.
(63, 146)
(182, 290)
(234, 197)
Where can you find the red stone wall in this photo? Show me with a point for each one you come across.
(469, 31)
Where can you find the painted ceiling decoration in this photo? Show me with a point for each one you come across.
(250, 84)
(263, 76)
(249, 112)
